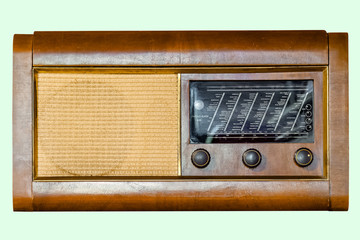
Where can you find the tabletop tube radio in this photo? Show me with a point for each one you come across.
(180, 120)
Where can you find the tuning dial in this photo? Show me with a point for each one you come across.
(303, 157)
(200, 158)
(251, 158)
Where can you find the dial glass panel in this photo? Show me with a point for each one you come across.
(251, 111)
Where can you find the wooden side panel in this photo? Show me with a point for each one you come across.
(181, 48)
(22, 123)
(338, 121)
(182, 195)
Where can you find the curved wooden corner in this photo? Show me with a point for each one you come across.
(338, 121)
(22, 123)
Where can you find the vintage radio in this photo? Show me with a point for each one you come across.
(180, 120)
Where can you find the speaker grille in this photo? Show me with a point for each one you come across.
(93, 124)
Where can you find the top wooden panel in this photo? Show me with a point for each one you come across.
(180, 48)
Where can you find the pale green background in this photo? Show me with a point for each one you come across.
(31, 15)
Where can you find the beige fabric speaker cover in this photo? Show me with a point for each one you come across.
(106, 124)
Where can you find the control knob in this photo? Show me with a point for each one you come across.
(200, 158)
(303, 157)
(251, 158)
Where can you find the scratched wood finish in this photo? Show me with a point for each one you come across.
(22, 122)
(339, 121)
(180, 48)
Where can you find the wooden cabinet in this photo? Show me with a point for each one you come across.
(101, 121)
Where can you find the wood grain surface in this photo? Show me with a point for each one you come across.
(180, 48)
(182, 195)
(22, 122)
(339, 121)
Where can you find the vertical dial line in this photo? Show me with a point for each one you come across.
(232, 112)
(282, 112)
(267, 108)
(247, 116)
(297, 116)
(217, 108)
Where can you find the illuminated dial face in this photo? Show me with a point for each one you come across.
(251, 111)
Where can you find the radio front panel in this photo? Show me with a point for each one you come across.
(187, 120)
(119, 124)
(271, 115)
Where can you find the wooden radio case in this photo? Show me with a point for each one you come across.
(180, 120)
